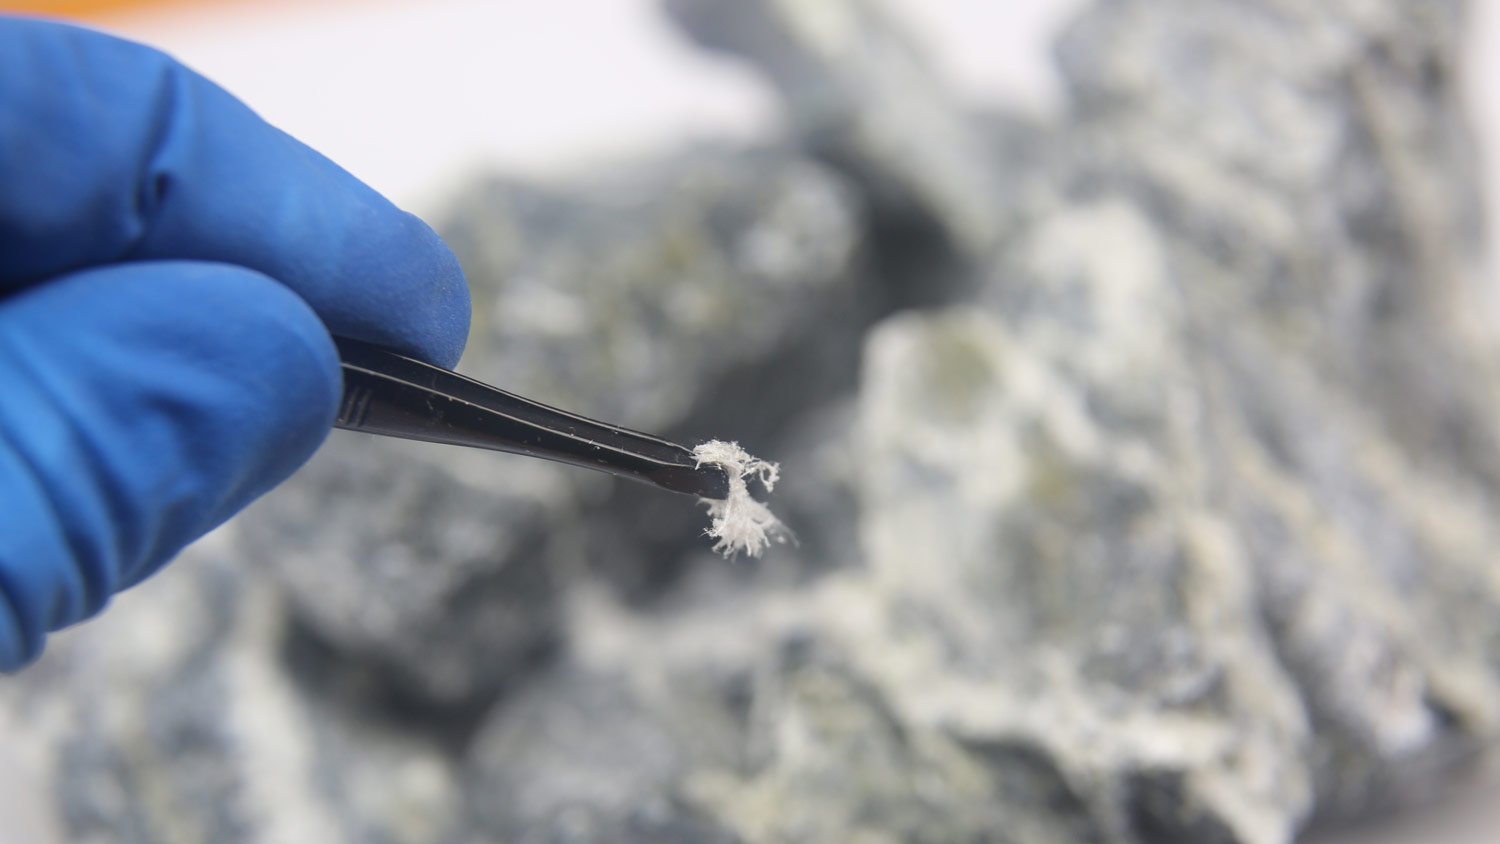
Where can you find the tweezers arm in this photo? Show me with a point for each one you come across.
(392, 395)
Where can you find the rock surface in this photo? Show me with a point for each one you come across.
(618, 304)
(1144, 491)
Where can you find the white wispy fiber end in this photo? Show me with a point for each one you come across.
(739, 522)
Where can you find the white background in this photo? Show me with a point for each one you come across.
(411, 96)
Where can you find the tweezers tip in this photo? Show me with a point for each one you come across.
(702, 481)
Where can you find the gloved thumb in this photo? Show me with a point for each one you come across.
(141, 405)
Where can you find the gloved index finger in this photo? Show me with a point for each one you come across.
(111, 151)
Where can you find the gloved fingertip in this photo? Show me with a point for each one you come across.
(15, 652)
(276, 382)
(454, 309)
(425, 287)
(178, 393)
(129, 156)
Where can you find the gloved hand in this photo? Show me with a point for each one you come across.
(171, 268)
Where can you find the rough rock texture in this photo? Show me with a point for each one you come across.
(623, 300)
(619, 304)
(1142, 468)
(861, 96)
(180, 717)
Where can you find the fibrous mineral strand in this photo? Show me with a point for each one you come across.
(738, 521)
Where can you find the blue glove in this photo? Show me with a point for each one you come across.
(171, 268)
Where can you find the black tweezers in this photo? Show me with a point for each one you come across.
(395, 396)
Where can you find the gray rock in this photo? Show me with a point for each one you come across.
(625, 300)
(1317, 156)
(786, 735)
(624, 304)
(175, 718)
(860, 95)
(577, 757)
(1076, 595)
(433, 581)
(1330, 304)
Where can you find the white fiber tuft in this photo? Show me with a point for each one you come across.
(739, 522)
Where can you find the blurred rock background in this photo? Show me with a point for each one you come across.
(1141, 446)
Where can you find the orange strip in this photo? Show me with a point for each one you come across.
(73, 8)
(86, 9)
